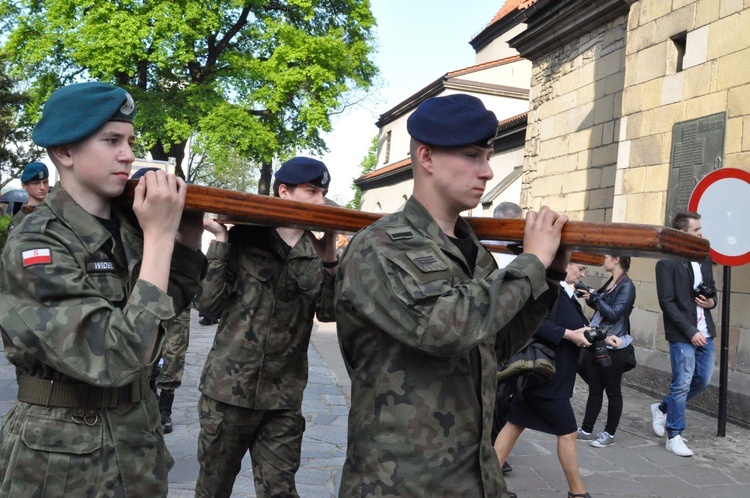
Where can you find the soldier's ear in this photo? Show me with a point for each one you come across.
(61, 155)
(425, 158)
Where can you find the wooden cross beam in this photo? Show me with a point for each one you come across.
(622, 239)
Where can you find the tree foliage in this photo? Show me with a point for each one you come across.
(369, 162)
(14, 138)
(260, 78)
(4, 222)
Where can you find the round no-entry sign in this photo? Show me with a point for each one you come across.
(722, 198)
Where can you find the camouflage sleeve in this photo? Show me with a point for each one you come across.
(63, 316)
(410, 293)
(187, 270)
(526, 322)
(325, 309)
(218, 281)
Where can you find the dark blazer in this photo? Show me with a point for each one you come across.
(567, 315)
(674, 288)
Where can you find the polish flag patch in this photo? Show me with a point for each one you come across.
(36, 257)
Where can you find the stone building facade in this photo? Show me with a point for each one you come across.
(612, 81)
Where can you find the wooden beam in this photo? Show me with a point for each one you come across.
(580, 258)
(622, 239)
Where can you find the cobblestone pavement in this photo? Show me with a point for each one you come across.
(636, 466)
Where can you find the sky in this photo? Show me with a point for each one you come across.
(417, 42)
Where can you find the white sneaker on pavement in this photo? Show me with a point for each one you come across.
(677, 446)
(658, 420)
(603, 439)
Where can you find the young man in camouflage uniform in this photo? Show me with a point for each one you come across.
(268, 284)
(172, 368)
(83, 293)
(423, 316)
(35, 181)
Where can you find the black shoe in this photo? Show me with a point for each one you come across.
(166, 397)
(507, 469)
(511, 494)
(166, 424)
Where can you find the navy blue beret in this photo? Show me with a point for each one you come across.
(304, 170)
(453, 121)
(74, 112)
(34, 171)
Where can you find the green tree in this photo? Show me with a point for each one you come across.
(368, 164)
(15, 151)
(224, 169)
(4, 222)
(259, 77)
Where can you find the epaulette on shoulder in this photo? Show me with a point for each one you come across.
(33, 223)
(400, 233)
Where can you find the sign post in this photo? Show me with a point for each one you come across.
(722, 198)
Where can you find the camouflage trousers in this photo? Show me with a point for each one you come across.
(273, 437)
(173, 352)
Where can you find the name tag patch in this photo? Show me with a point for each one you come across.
(100, 266)
(33, 257)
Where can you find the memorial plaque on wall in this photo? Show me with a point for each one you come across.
(697, 149)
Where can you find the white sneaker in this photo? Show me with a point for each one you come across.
(677, 446)
(603, 440)
(658, 420)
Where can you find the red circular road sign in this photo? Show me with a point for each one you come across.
(722, 198)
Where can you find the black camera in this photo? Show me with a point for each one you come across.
(596, 335)
(705, 291)
(580, 288)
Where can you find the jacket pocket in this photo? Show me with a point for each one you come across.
(44, 431)
(109, 285)
(419, 275)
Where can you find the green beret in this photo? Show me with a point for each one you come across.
(34, 171)
(74, 112)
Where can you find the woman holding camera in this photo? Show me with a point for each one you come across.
(613, 304)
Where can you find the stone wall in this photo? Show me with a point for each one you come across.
(713, 78)
(599, 145)
(571, 147)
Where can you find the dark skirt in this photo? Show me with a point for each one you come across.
(551, 416)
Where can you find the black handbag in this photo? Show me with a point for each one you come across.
(533, 365)
(629, 358)
(625, 355)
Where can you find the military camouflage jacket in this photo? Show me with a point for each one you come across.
(72, 309)
(267, 304)
(420, 333)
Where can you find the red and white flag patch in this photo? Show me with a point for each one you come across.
(36, 257)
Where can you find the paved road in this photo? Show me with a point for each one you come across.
(637, 466)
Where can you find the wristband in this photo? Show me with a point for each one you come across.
(331, 264)
(556, 274)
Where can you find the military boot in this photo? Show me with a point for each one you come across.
(166, 397)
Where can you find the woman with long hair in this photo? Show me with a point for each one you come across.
(613, 303)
